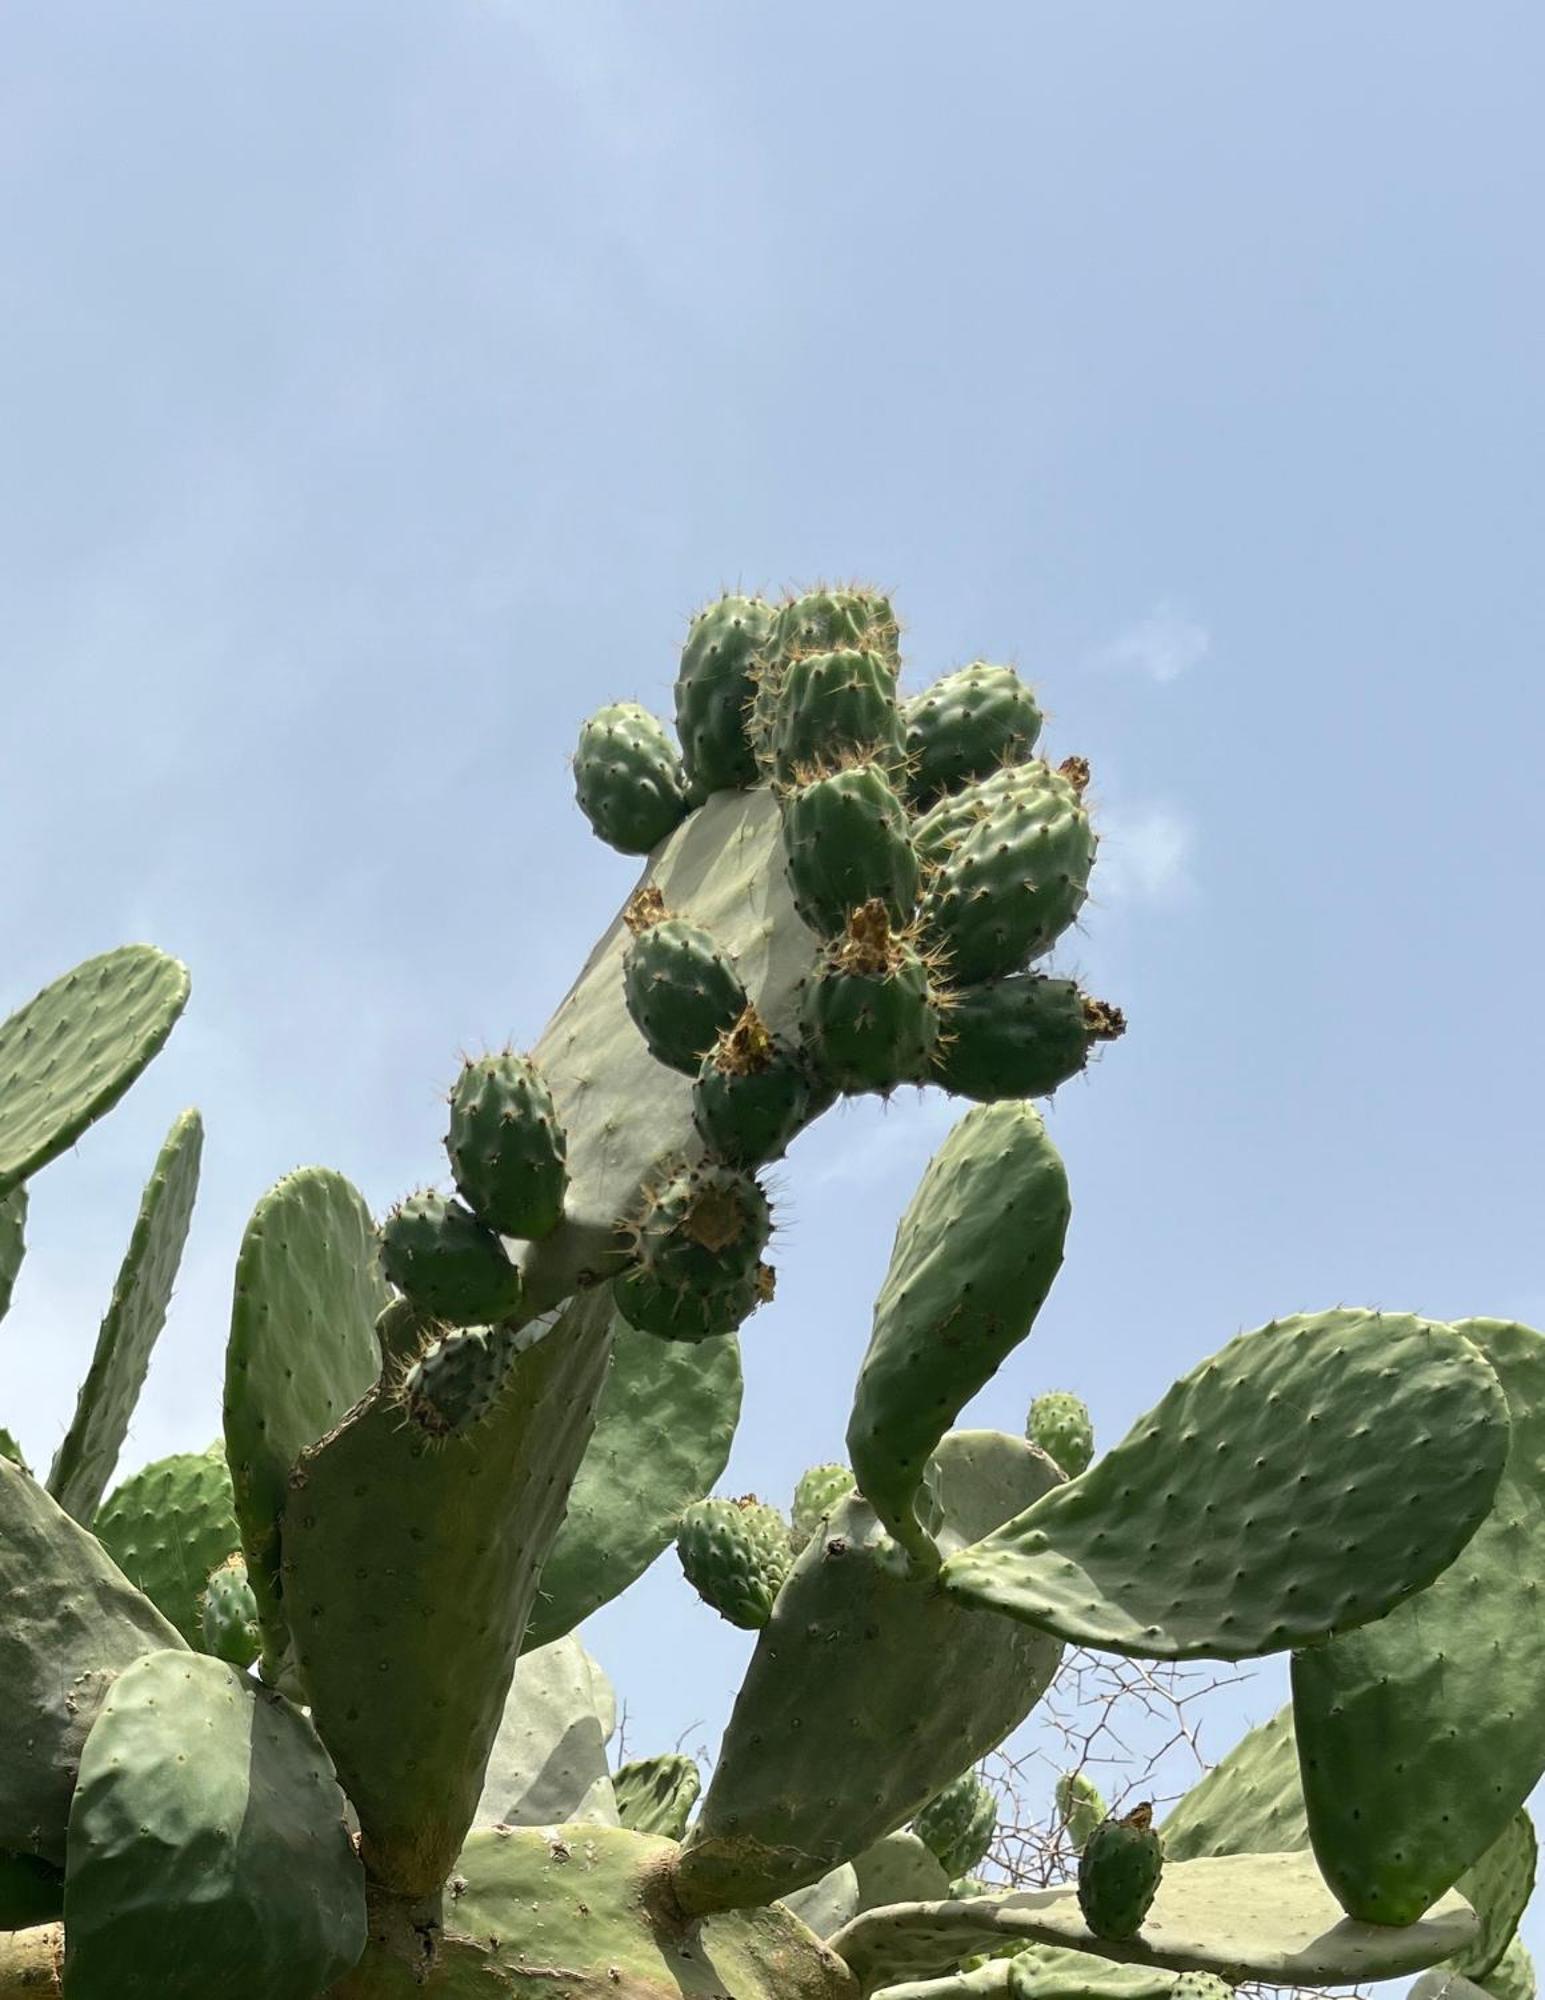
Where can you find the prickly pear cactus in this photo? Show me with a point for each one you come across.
(1118, 1874)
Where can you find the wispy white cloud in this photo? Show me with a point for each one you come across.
(1145, 855)
(1163, 644)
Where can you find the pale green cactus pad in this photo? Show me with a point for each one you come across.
(828, 1904)
(13, 1243)
(73, 1050)
(548, 1763)
(657, 1794)
(899, 1869)
(1512, 1978)
(1046, 1972)
(167, 1527)
(89, 1450)
(1206, 1533)
(207, 1851)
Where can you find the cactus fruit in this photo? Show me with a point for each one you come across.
(677, 1312)
(824, 619)
(681, 989)
(1118, 1874)
(735, 1554)
(846, 842)
(1080, 1806)
(657, 1794)
(965, 726)
(831, 704)
(447, 1263)
(506, 1146)
(457, 1379)
(815, 1496)
(1021, 1037)
(871, 1014)
(628, 778)
(704, 1230)
(229, 1621)
(1059, 1423)
(1201, 1986)
(752, 1094)
(714, 688)
(957, 1825)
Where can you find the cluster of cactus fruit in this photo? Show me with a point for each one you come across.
(305, 1713)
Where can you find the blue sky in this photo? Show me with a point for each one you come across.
(384, 385)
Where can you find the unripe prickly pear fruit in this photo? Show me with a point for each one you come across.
(735, 1554)
(957, 1825)
(446, 1263)
(1201, 1986)
(822, 621)
(818, 1492)
(456, 1380)
(1021, 1037)
(1118, 1874)
(229, 1615)
(675, 1312)
(847, 841)
(1080, 1807)
(714, 690)
(967, 725)
(1059, 1423)
(681, 990)
(870, 1013)
(829, 704)
(966, 1889)
(752, 1094)
(628, 778)
(704, 1230)
(506, 1147)
(657, 1794)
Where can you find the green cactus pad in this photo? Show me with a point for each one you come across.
(72, 1622)
(73, 1050)
(816, 1495)
(1498, 1888)
(735, 1554)
(828, 1904)
(1081, 1808)
(1421, 1736)
(1256, 1917)
(752, 1095)
(457, 1379)
(548, 1764)
(628, 778)
(167, 1527)
(229, 1623)
(13, 1243)
(302, 1351)
(1194, 1538)
(506, 1147)
(662, 1438)
(958, 1824)
(657, 1794)
(974, 1257)
(950, 1689)
(31, 1892)
(1512, 1978)
(10, 1449)
(135, 1316)
(834, 705)
(409, 1570)
(208, 1851)
(1119, 1868)
(901, 1868)
(1250, 1802)
(1059, 1424)
(447, 1263)
(870, 1014)
(966, 726)
(846, 842)
(1021, 1037)
(681, 989)
(715, 685)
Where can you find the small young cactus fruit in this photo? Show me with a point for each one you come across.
(456, 1381)
(870, 1013)
(1201, 1986)
(229, 1615)
(1059, 1423)
(817, 1493)
(1021, 1037)
(714, 689)
(824, 619)
(1080, 1807)
(966, 1889)
(447, 1263)
(704, 1230)
(752, 1094)
(506, 1146)
(967, 725)
(674, 1312)
(657, 1794)
(847, 841)
(628, 778)
(1118, 1874)
(957, 1825)
(829, 704)
(681, 990)
(735, 1554)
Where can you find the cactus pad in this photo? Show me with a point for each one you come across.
(628, 778)
(965, 726)
(735, 1554)
(13, 1243)
(1119, 1867)
(447, 1263)
(901, 1868)
(1059, 1424)
(1021, 1037)
(506, 1148)
(167, 1527)
(1079, 1806)
(657, 1794)
(714, 689)
(547, 1766)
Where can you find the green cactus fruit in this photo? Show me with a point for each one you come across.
(628, 778)
(1201, 1986)
(735, 1554)
(10, 1449)
(1037, 791)
(447, 1263)
(966, 726)
(829, 704)
(1079, 1806)
(966, 1888)
(823, 619)
(847, 841)
(958, 1824)
(457, 1379)
(1059, 1423)
(1021, 1037)
(675, 1312)
(229, 1619)
(714, 689)
(657, 1794)
(752, 1094)
(1118, 1874)
(704, 1230)
(681, 990)
(870, 1014)
(817, 1493)
(506, 1147)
